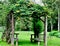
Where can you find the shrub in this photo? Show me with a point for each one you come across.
(40, 26)
(55, 33)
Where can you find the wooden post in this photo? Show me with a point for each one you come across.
(45, 32)
(31, 38)
(12, 33)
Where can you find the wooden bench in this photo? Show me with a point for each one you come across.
(15, 37)
(37, 39)
(40, 39)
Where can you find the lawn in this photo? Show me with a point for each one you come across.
(24, 40)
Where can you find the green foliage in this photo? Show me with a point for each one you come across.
(52, 5)
(4, 10)
(55, 33)
(27, 8)
(52, 33)
(17, 26)
(24, 24)
(40, 26)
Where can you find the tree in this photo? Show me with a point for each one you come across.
(58, 8)
(52, 6)
(46, 13)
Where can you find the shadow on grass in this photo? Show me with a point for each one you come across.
(25, 42)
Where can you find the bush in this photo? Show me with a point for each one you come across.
(55, 33)
(39, 26)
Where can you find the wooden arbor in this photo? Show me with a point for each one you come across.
(31, 11)
(10, 28)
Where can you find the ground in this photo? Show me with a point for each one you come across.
(24, 40)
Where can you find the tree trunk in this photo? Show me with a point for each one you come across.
(51, 25)
(45, 32)
(36, 33)
(8, 29)
(12, 33)
(58, 20)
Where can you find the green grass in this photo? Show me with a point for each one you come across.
(24, 40)
(54, 41)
